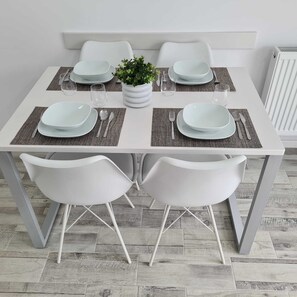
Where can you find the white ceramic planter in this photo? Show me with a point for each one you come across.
(138, 96)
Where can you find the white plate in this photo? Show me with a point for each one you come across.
(80, 131)
(105, 78)
(191, 69)
(91, 70)
(174, 77)
(66, 115)
(183, 128)
(206, 117)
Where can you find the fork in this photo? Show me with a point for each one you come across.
(237, 119)
(172, 119)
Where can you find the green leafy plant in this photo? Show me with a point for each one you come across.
(136, 72)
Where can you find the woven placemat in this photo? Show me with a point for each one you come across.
(161, 133)
(23, 137)
(112, 86)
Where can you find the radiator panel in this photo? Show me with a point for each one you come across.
(280, 91)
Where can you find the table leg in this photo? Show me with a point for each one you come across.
(39, 235)
(247, 235)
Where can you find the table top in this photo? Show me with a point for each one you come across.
(136, 131)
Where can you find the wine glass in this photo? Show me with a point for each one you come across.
(168, 86)
(68, 86)
(98, 95)
(220, 94)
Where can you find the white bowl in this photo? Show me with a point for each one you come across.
(191, 69)
(91, 70)
(66, 115)
(206, 117)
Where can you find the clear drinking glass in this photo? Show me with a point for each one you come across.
(98, 95)
(168, 86)
(220, 94)
(68, 86)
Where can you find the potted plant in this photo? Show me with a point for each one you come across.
(136, 77)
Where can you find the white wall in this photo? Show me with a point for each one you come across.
(31, 40)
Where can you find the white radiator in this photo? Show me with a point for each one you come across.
(280, 92)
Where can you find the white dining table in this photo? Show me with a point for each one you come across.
(135, 137)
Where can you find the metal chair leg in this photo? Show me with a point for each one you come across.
(152, 203)
(118, 231)
(65, 219)
(167, 208)
(129, 201)
(216, 233)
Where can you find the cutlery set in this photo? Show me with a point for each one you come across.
(238, 117)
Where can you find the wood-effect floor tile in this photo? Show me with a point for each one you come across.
(88, 268)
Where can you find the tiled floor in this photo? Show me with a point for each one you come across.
(187, 262)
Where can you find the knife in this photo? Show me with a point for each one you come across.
(243, 120)
(111, 116)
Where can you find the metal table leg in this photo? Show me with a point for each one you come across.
(246, 234)
(39, 235)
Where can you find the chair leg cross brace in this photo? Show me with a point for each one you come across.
(88, 209)
(162, 231)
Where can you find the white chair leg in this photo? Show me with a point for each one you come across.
(152, 203)
(65, 219)
(165, 215)
(114, 222)
(129, 201)
(137, 185)
(216, 233)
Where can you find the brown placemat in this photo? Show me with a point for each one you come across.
(161, 133)
(112, 86)
(222, 75)
(23, 137)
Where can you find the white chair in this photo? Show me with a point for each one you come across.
(189, 184)
(171, 52)
(113, 52)
(88, 181)
(126, 162)
(151, 159)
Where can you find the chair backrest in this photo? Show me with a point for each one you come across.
(113, 52)
(93, 180)
(183, 183)
(171, 52)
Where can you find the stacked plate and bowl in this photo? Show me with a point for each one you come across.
(205, 121)
(190, 72)
(91, 72)
(67, 119)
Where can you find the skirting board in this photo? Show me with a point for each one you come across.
(154, 40)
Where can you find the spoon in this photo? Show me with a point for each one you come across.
(237, 119)
(103, 114)
(111, 116)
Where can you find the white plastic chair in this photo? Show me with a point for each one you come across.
(171, 52)
(88, 181)
(191, 184)
(113, 52)
(151, 159)
(126, 162)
